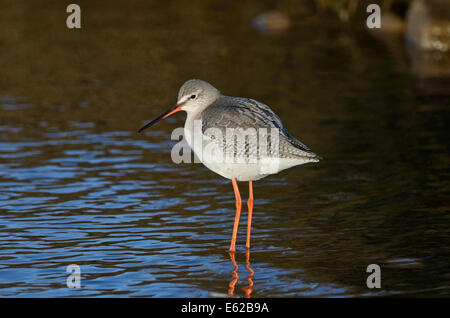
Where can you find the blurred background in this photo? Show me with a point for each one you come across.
(78, 185)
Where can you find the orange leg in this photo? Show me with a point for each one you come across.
(250, 211)
(238, 214)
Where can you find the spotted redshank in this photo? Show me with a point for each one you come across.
(238, 138)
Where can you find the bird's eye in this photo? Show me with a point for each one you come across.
(193, 96)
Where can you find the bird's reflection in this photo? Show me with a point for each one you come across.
(248, 289)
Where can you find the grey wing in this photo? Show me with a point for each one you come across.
(235, 112)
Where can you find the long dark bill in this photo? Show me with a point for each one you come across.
(172, 110)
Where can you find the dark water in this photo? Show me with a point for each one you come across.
(78, 185)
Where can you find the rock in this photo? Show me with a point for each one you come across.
(271, 22)
(428, 25)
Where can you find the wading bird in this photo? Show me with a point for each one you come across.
(246, 118)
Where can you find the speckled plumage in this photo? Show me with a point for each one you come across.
(218, 112)
(238, 112)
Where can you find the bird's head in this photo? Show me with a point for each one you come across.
(193, 97)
